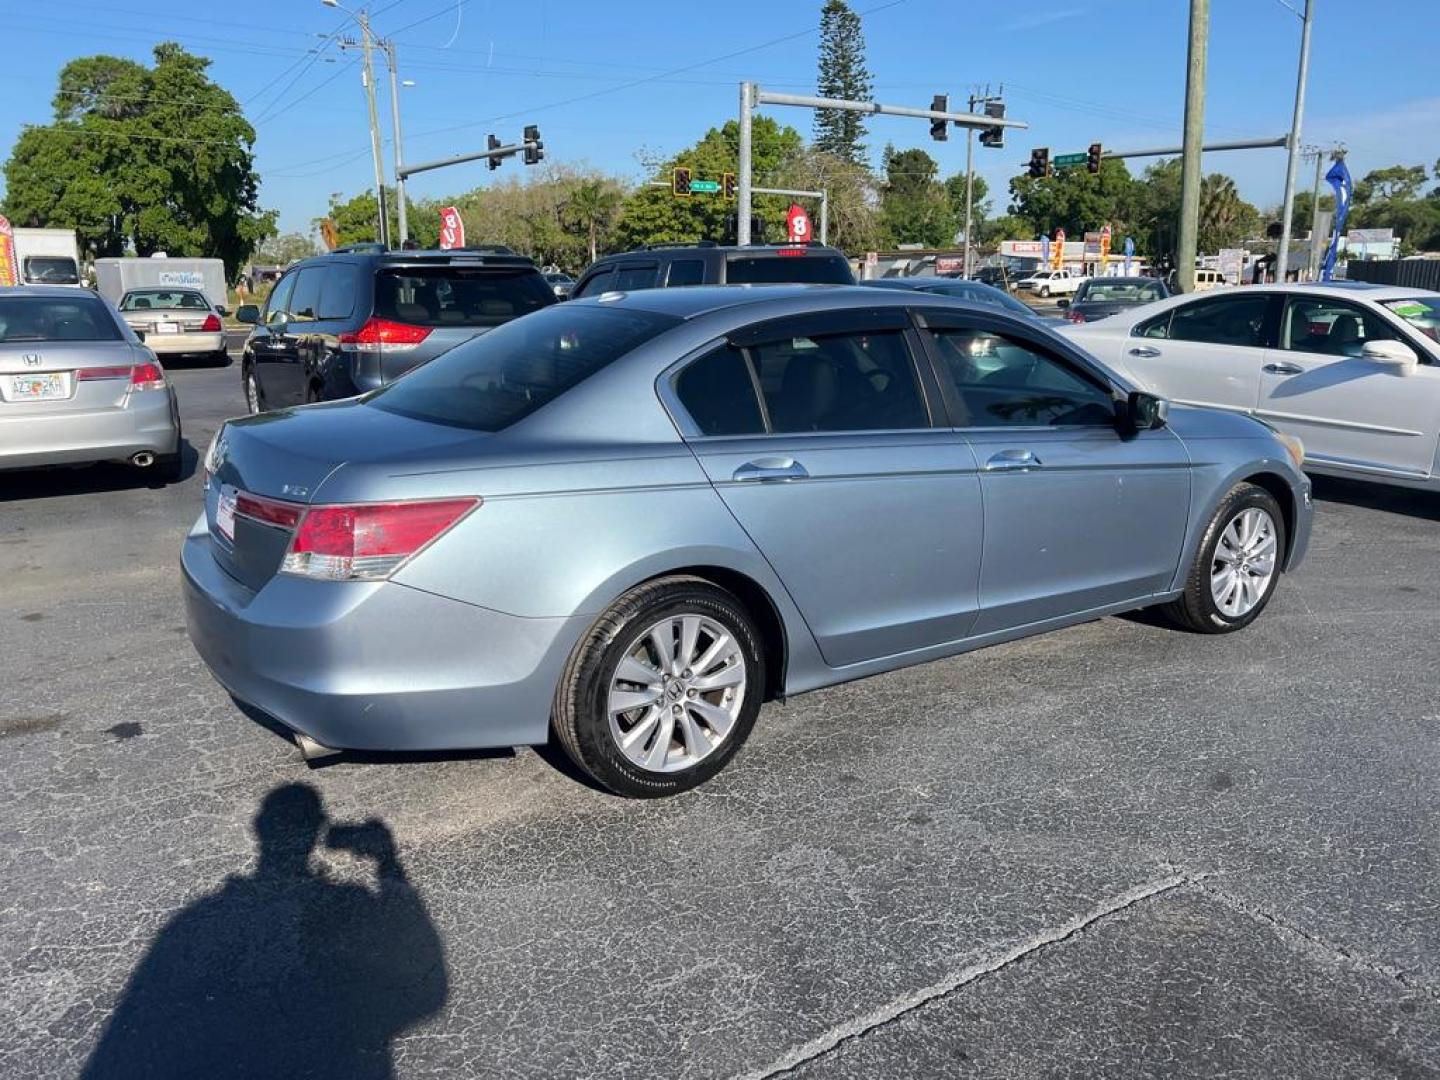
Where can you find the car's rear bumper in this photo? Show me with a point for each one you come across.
(185, 344)
(375, 665)
(147, 422)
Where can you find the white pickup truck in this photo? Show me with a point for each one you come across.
(1051, 282)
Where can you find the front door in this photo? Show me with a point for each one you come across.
(1347, 410)
(1076, 517)
(867, 509)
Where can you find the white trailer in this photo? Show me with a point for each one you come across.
(115, 277)
(47, 256)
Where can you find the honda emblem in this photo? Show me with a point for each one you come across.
(32, 359)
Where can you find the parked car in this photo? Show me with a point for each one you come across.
(961, 289)
(1099, 297)
(670, 265)
(78, 386)
(176, 322)
(1050, 282)
(562, 283)
(629, 520)
(1351, 369)
(340, 324)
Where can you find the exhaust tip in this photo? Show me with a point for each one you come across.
(143, 460)
(311, 750)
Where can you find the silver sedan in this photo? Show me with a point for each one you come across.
(176, 322)
(77, 386)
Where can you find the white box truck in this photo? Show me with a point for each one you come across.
(47, 256)
(115, 277)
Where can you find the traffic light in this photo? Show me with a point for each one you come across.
(728, 185)
(492, 144)
(940, 129)
(1092, 158)
(1040, 162)
(534, 148)
(680, 182)
(993, 136)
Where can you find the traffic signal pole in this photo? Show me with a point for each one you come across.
(404, 224)
(1194, 143)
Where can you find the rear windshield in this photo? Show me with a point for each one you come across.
(1127, 291)
(35, 318)
(775, 269)
(493, 380)
(458, 296)
(51, 270)
(163, 299)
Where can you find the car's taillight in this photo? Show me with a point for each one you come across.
(790, 251)
(93, 374)
(147, 377)
(211, 325)
(367, 542)
(270, 511)
(1075, 316)
(385, 335)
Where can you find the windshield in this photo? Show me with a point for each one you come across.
(51, 270)
(31, 318)
(163, 300)
(1421, 312)
(498, 378)
(777, 269)
(1127, 292)
(458, 296)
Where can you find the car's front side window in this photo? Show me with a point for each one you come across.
(1002, 381)
(277, 306)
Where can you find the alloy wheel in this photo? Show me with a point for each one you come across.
(677, 693)
(1245, 561)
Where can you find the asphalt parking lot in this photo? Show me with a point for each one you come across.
(1118, 850)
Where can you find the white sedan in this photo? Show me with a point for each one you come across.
(1352, 369)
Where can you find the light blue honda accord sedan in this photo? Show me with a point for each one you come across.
(628, 521)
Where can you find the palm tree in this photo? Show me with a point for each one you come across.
(1224, 215)
(592, 207)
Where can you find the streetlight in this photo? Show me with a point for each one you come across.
(367, 45)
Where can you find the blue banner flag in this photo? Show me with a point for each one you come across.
(1129, 253)
(1339, 179)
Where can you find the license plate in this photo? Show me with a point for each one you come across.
(225, 514)
(167, 328)
(45, 386)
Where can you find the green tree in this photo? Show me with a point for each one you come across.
(842, 74)
(980, 202)
(1391, 198)
(592, 208)
(1225, 218)
(1397, 182)
(283, 250)
(915, 207)
(143, 159)
(1076, 200)
(854, 224)
(1303, 211)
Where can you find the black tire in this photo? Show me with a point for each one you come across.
(254, 405)
(1196, 608)
(580, 719)
(221, 358)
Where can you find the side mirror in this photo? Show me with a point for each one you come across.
(247, 313)
(1062, 302)
(222, 309)
(1143, 411)
(1396, 355)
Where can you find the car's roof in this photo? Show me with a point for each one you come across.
(695, 300)
(1134, 279)
(53, 291)
(477, 256)
(690, 250)
(1361, 289)
(164, 288)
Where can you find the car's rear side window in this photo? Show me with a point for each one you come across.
(718, 393)
(840, 382)
(777, 269)
(36, 318)
(686, 272)
(495, 379)
(459, 295)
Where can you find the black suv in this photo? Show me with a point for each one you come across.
(343, 323)
(668, 265)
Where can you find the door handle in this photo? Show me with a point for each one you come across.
(1013, 461)
(1283, 369)
(770, 470)
(1145, 351)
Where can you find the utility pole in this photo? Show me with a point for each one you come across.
(1282, 257)
(742, 208)
(969, 182)
(404, 224)
(367, 46)
(1312, 260)
(1194, 140)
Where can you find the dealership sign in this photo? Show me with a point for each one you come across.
(9, 268)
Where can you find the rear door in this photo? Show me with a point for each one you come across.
(868, 511)
(1076, 517)
(1208, 351)
(295, 358)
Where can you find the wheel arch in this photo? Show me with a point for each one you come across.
(1280, 489)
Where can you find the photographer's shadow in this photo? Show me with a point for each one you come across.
(283, 973)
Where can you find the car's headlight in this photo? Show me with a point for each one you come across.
(1293, 446)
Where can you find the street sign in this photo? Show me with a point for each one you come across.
(797, 224)
(1065, 161)
(452, 229)
(705, 187)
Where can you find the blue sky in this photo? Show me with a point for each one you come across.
(603, 81)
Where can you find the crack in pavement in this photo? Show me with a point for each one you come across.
(907, 1003)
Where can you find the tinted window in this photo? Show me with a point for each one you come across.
(51, 270)
(845, 382)
(459, 296)
(1228, 320)
(1318, 325)
(277, 307)
(686, 272)
(32, 318)
(337, 295)
(496, 379)
(779, 269)
(597, 284)
(1003, 382)
(306, 301)
(717, 393)
(628, 278)
(164, 300)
